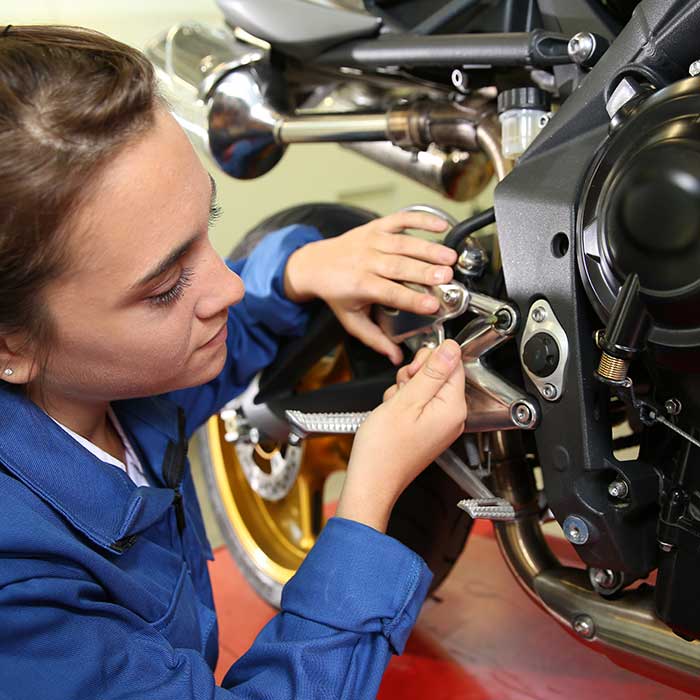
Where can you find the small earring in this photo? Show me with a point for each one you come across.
(8, 372)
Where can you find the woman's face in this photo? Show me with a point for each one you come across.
(143, 307)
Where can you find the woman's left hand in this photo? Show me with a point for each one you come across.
(365, 266)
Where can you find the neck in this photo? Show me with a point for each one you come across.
(89, 419)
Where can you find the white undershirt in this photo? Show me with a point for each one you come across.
(133, 467)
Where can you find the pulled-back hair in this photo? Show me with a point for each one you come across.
(70, 98)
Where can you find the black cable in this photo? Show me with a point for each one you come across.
(456, 236)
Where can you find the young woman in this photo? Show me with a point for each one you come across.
(121, 331)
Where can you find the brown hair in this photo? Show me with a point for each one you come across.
(69, 99)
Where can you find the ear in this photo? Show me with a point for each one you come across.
(17, 362)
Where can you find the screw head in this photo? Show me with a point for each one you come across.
(576, 530)
(581, 47)
(549, 391)
(603, 577)
(583, 626)
(539, 314)
(673, 407)
(694, 68)
(450, 297)
(618, 489)
(665, 546)
(523, 414)
(254, 436)
(293, 439)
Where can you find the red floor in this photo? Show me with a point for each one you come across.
(483, 639)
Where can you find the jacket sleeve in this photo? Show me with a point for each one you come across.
(255, 325)
(351, 604)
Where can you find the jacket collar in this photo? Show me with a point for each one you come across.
(100, 501)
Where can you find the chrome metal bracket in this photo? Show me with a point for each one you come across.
(401, 326)
(494, 403)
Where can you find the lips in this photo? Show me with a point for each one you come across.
(219, 335)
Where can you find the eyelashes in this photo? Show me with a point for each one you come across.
(215, 213)
(176, 291)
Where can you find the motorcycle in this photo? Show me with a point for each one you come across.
(579, 320)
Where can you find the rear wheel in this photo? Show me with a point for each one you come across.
(269, 539)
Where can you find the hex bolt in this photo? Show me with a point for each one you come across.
(576, 530)
(604, 578)
(618, 489)
(581, 47)
(549, 391)
(523, 414)
(450, 297)
(539, 314)
(583, 626)
(293, 439)
(673, 407)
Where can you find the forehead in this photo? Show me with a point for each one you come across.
(149, 199)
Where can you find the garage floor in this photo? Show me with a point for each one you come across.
(481, 639)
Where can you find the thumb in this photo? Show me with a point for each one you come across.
(434, 374)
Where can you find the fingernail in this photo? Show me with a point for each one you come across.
(430, 304)
(439, 275)
(448, 351)
(448, 256)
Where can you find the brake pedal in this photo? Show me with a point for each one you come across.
(488, 508)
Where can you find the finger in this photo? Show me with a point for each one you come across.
(401, 220)
(390, 392)
(401, 267)
(414, 247)
(359, 325)
(434, 374)
(418, 361)
(402, 376)
(398, 296)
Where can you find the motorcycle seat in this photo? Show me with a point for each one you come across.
(297, 27)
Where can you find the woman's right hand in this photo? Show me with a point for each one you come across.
(422, 414)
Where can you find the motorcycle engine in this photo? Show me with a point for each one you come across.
(639, 213)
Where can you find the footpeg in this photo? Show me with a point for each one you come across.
(488, 508)
(305, 424)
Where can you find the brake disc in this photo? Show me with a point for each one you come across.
(273, 486)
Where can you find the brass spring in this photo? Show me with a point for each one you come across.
(612, 368)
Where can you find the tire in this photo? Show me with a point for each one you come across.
(425, 517)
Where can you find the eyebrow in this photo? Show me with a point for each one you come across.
(167, 262)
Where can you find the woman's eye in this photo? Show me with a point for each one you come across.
(175, 292)
(214, 213)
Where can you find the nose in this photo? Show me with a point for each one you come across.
(224, 288)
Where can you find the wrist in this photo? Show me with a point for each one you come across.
(364, 505)
(298, 274)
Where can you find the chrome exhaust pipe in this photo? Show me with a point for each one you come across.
(625, 629)
(235, 106)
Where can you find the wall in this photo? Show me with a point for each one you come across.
(306, 173)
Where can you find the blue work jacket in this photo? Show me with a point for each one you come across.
(104, 589)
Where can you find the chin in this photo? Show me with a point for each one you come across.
(206, 373)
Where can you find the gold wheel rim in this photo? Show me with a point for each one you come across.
(276, 536)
